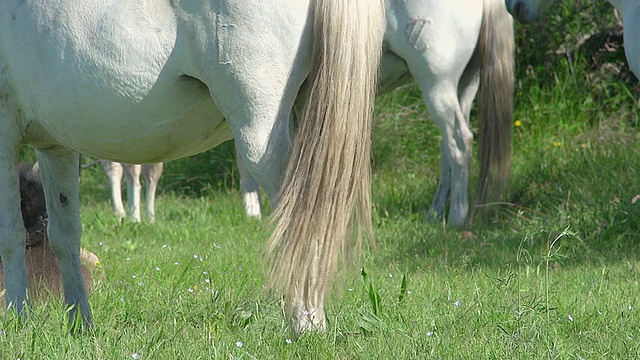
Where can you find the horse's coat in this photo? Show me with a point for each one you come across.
(101, 78)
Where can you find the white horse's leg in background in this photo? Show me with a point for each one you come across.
(134, 190)
(450, 61)
(467, 90)
(437, 52)
(12, 231)
(250, 190)
(151, 173)
(114, 172)
(59, 172)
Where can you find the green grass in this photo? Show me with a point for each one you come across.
(555, 276)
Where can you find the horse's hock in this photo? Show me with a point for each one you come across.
(44, 273)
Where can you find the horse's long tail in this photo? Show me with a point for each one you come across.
(325, 198)
(496, 49)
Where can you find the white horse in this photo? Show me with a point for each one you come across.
(527, 11)
(101, 78)
(451, 48)
(151, 173)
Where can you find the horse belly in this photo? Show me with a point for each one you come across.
(111, 86)
(158, 129)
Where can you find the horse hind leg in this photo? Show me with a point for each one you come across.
(250, 190)
(445, 109)
(467, 91)
(134, 190)
(152, 173)
(12, 231)
(59, 171)
(443, 189)
(261, 130)
(468, 85)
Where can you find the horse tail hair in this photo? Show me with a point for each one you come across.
(496, 48)
(325, 198)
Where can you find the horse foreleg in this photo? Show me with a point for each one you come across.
(59, 171)
(152, 174)
(12, 231)
(134, 190)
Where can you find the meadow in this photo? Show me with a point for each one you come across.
(554, 275)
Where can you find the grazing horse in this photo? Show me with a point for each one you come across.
(527, 11)
(175, 78)
(451, 48)
(151, 173)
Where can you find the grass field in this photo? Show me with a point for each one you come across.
(555, 276)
